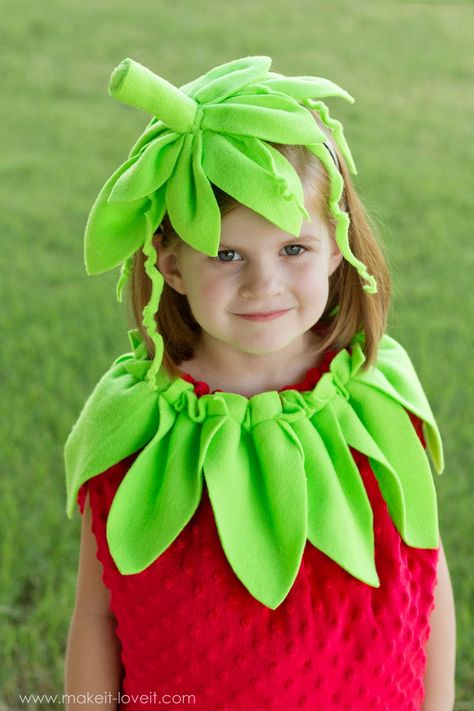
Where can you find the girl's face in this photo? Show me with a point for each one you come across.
(259, 269)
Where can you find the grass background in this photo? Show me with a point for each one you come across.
(410, 68)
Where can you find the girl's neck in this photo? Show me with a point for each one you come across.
(224, 368)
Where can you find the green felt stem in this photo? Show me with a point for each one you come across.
(135, 85)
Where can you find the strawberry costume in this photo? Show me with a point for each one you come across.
(277, 551)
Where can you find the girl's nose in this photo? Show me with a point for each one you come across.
(260, 281)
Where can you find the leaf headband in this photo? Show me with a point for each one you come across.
(212, 130)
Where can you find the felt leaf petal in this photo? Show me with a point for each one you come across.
(243, 73)
(393, 432)
(305, 87)
(158, 495)
(151, 169)
(105, 421)
(136, 343)
(257, 489)
(227, 78)
(261, 176)
(192, 207)
(157, 208)
(268, 117)
(366, 418)
(153, 130)
(358, 436)
(340, 519)
(113, 231)
(395, 376)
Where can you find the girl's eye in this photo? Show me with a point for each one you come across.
(295, 246)
(227, 255)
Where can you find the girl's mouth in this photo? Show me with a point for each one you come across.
(263, 317)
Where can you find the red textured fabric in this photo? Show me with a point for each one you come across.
(188, 626)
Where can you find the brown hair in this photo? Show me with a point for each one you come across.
(349, 309)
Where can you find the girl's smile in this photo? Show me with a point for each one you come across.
(263, 316)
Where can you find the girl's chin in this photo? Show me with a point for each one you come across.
(262, 347)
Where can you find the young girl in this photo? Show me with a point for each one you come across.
(259, 516)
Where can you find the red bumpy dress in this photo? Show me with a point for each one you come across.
(189, 628)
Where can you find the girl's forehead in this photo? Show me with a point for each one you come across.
(244, 222)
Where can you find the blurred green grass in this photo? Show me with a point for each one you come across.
(410, 68)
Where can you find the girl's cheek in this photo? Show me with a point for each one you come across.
(210, 290)
(312, 276)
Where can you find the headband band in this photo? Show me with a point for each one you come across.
(333, 154)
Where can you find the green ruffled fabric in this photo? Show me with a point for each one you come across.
(277, 465)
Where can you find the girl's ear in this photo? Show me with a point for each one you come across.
(168, 264)
(335, 256)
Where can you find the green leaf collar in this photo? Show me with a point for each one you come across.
(277, 465)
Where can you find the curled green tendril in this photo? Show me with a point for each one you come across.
(336, 129)
(125, 272)
(151, 307)
(342, 218)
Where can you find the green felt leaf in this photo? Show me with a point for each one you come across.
(225, 79)
(113, 231)
(340, 520)
(153, 130)
(190, 201)
(396, 377)
(269, 117)
(259, 191)
(415, 512)
(158, 496)
(151, 169)
(257, 489)
(304, 87)
(115, 397)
